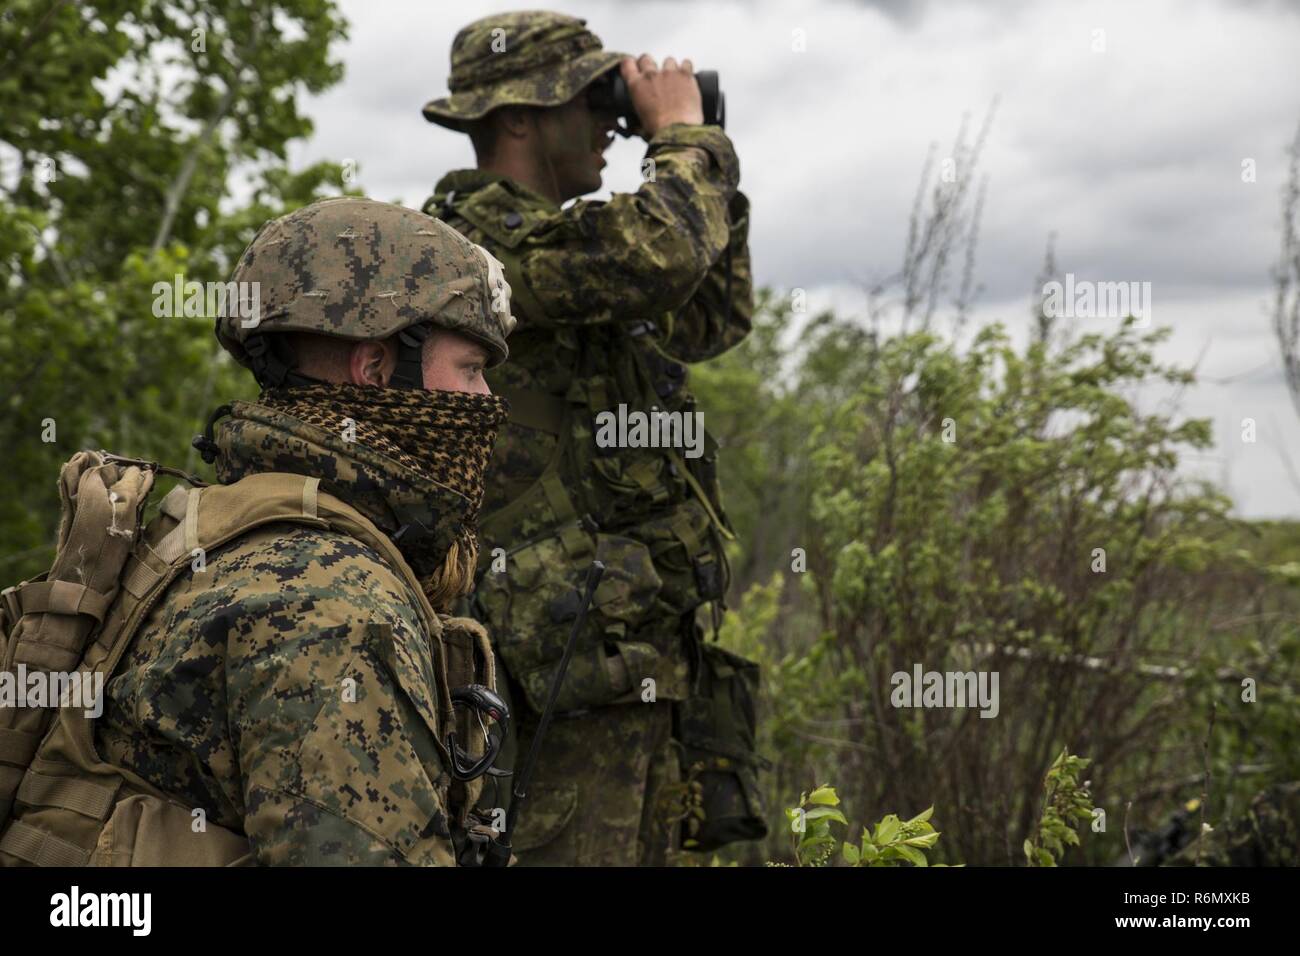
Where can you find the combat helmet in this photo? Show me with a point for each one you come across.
(358, 269)
(529, 58)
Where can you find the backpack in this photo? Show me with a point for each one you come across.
(60, 803)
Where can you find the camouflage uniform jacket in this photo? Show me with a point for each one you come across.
(612, 297)
(234, 695)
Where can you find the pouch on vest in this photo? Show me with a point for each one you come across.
(146, 831)
(716, 731)
(531, 604)
(693, 568)
(49, 621)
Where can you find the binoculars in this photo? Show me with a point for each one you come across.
(610, 93)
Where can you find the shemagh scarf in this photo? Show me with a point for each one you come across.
(443, 437)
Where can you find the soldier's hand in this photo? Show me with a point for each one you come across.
(662, 95)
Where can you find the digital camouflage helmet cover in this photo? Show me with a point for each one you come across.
(359, 270)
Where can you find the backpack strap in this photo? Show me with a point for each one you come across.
(62, 597)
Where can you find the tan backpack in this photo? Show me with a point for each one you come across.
(60, 804)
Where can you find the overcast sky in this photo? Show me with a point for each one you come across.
(1132, 155)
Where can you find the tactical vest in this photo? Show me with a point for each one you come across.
(60, 803)
(652, 515)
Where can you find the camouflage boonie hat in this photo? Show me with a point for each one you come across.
(531, 58)
(360, 269)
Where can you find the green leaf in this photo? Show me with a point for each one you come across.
(824, 795)
(913, 856)
(829, 813)
(887, 830)
(922, 816)
(851, 854)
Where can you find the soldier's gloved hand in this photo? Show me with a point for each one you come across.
(663, 95)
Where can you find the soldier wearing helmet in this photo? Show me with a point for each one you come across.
(296, 685)
(612, 299)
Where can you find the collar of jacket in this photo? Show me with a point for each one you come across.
(421, 516)
(484, 184)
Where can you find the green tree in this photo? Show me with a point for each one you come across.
(127, 131)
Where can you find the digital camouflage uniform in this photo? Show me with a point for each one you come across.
(232, 696)
(612, 297)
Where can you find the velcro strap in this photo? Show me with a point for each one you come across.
(191, 522)
(557, 497)
(40, 848)
(576, 542)
(172, 546)
(535, 409)
(67, 793)
(646, 477)
(310, 496)
(173, 504)
(139, 577)
(17, 746)
(686, 533)
(62, 597)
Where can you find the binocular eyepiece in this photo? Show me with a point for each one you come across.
(610, 93)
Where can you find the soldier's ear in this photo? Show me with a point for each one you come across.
(517, 122)
(371, 363)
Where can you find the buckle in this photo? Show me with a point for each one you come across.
(485, 703)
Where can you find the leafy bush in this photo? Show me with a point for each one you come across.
(892, 842)
(994, 509)
(1065, 802)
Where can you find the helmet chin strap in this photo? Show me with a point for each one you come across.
(274, 364)
(409, 371)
